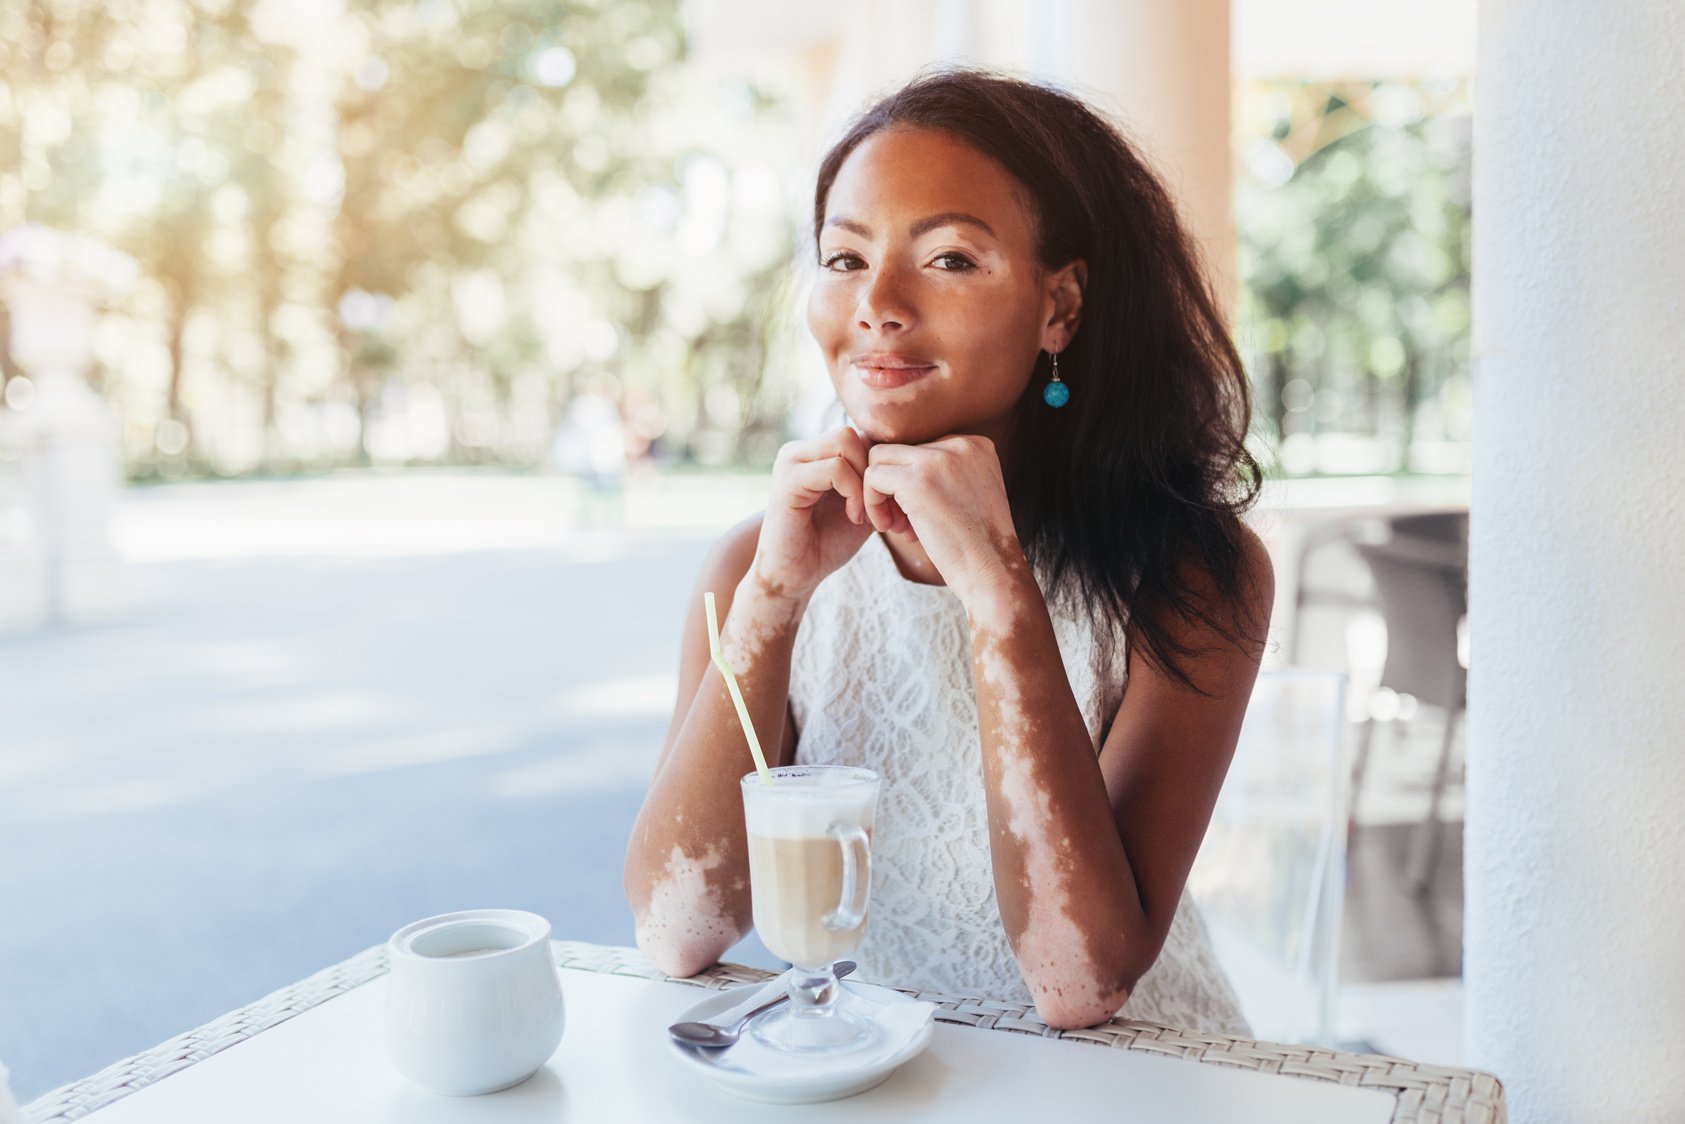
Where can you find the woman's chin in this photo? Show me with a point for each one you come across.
(899, 436)
(883, 428)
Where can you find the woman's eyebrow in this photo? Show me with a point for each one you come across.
(923, 226)
(946, 218)
(849, 225)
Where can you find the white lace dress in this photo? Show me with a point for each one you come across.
(881, 677)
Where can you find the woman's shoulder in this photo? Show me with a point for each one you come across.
(1255, 589)
(1228, 612)
(1250, 580)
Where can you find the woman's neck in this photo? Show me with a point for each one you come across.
(999, 431)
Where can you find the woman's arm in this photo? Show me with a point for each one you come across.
(687, 864)
(1091, 853)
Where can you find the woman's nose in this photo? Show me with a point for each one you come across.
(884, 301)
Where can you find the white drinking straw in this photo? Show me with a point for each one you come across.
(731, 685)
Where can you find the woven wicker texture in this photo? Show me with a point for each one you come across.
(1426, 1094)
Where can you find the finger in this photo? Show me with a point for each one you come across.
(890, 485)
(852, 448)
(894, 454)
(879, 488)
(824, 447)
(907, 525)
(812, 480)
(902, 525)
(843, 442)
(896, 520)
(846, 482)
(955, 444)
(960, 442)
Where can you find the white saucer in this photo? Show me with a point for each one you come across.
(757, 1072)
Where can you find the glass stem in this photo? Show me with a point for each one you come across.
(813, 992)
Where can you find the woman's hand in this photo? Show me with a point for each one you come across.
(950, 495)
(815, 518)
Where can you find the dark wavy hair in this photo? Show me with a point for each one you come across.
(1141, 481)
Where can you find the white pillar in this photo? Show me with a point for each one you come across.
(1575, 929)
(1161, 71)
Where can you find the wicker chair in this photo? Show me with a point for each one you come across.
(1421, 585)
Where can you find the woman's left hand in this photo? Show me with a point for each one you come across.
(951, 497)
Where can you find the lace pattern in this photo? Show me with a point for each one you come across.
(881, 677)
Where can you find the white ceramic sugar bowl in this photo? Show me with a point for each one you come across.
(474, 1003)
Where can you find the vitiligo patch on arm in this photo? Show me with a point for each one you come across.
(686, 910)
(1037, 887)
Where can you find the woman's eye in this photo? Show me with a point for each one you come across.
(830, 261)
(962, 263)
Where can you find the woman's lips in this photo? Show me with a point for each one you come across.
(889, 378)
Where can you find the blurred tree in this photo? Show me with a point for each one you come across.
(42, 91)
(398, 207)
(1354, 221)
(132, 124)
(535, 133)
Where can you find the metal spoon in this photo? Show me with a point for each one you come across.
(712, 1036)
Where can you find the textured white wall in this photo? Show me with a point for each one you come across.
(1575, 926)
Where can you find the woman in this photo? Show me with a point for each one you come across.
(1036, 507)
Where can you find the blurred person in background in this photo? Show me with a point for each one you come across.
(591, 444)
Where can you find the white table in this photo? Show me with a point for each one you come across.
(327, 1063)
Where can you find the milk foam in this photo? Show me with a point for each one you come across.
(802, 811)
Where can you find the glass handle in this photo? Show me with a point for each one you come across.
(856, 877)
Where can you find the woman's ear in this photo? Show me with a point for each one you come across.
(1064, 305)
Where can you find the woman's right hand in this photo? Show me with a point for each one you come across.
(816, 516)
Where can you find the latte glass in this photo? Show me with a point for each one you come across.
(810, 874)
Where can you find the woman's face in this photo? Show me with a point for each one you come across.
(930, 305)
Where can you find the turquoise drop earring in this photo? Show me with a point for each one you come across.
(1055, 393)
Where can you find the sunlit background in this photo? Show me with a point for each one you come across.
(412, 233)
(436, 340)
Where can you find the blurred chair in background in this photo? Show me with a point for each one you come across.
(1421, 585)
(1270, 876)
(1324, 577)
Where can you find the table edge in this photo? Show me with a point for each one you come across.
(1422, 1093)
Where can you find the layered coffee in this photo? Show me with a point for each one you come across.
(805, 828)
(796, 882)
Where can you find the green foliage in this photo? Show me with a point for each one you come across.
(1354, 222)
